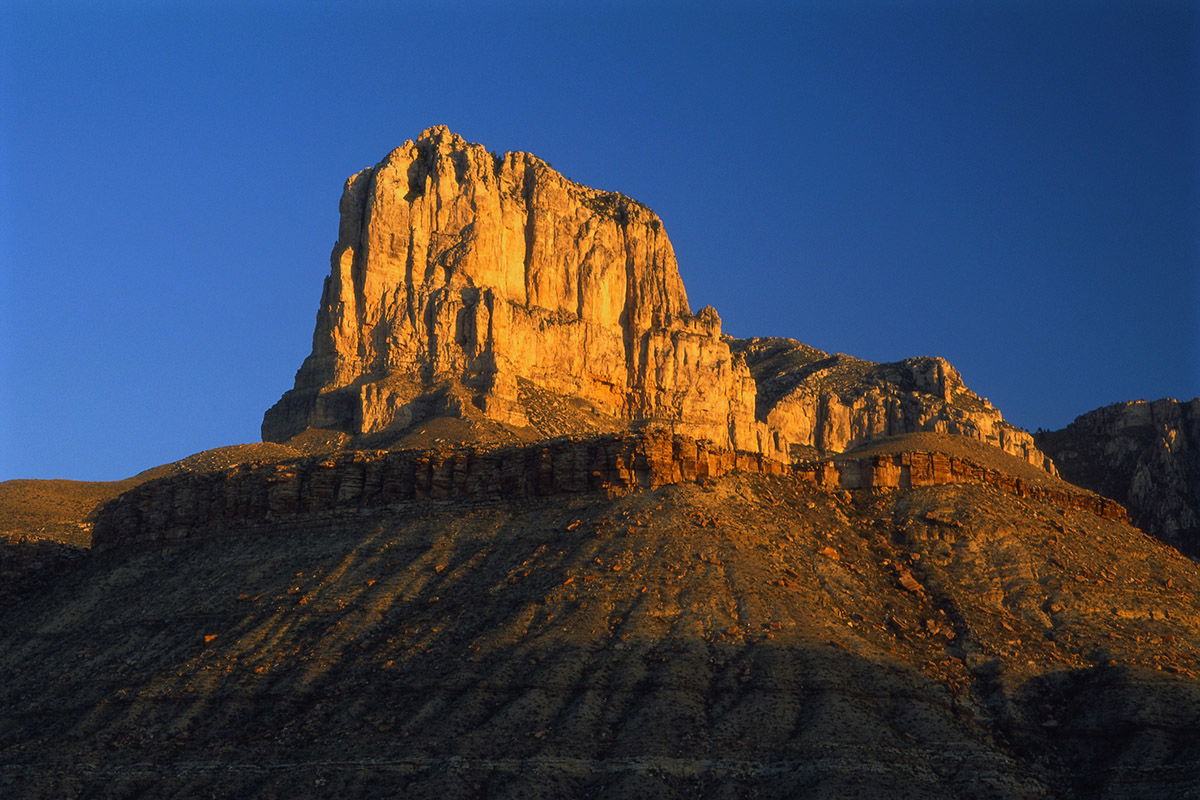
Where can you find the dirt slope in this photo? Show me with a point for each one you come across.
(748, 637)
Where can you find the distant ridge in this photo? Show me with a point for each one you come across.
(1145, 455)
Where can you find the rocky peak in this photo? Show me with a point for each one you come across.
(457, 272)
(828, 403)
(492, 289)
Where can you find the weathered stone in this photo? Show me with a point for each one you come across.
(826, 403)
(476, 286)
(615, 464)
(457, 274)
(1145, 455)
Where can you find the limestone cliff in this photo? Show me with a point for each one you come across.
(493, 290)
(812, 400)
(1144, 455)
(458, 273)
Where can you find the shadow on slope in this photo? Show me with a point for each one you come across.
(61, 510)
(745, 636)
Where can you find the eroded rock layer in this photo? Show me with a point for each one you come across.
(199, 504)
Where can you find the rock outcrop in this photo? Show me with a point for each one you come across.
(1146, 455)
(192, 505)
(458, 273)
(63, 511)
(815, 401)
(492, 289)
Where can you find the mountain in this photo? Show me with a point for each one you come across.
(1146, 455)
(528, 527)
(493, 291)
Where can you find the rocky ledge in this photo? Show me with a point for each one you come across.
(205, 504)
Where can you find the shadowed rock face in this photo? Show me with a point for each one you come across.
(489, 288)
(1143, 455)
(195, 505)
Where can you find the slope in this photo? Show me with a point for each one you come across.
(62, 510)
(744, 635)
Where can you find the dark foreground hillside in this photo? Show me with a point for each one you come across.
(744, 637)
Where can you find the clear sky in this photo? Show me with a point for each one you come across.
(1012, 185)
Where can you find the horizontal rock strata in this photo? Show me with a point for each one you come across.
(206, 503)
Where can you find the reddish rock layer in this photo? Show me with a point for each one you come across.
(207, 503)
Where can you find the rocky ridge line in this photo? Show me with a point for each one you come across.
(193, 504)
(829, 403)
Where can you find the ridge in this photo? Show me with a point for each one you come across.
(273, 492)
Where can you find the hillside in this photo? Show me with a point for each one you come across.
(750, 633)
(62, 510)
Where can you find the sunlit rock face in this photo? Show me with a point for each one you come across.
(828, 403)
(457, 272)
(482, 287)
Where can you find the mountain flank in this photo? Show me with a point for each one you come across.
(1145, 455)
(748, 633)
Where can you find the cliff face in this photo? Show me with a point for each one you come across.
(492, 289)
(456, 272)
(1144, 455)
(829, 403)
(833, 402)
(192, 505)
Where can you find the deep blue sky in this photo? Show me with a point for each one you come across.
(1011, 185)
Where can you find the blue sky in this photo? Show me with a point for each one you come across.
(1011, 185)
